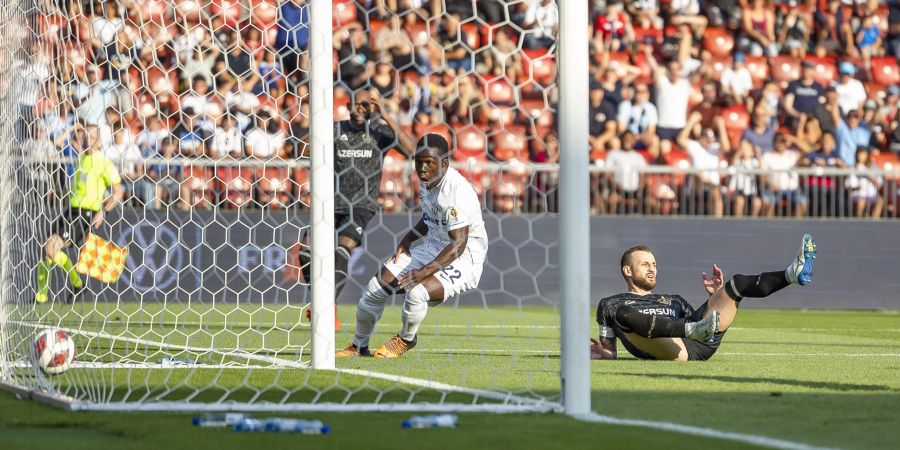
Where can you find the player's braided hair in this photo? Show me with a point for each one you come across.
(435, 142)
(626, 257)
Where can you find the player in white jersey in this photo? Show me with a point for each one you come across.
(448, 263)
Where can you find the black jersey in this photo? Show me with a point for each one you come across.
(358, 161)
(654, 304)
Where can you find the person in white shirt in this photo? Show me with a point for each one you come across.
(198, 97)
(673, 90)
(267, 139)
(626, 181)
(227, 139)
(640, 117)
(782, 184)
(541, 22)
(448, 263)
(736, 80)
(704, 152)
(126, 156)
(851, 92)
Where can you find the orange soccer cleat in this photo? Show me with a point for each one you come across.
(394, 348)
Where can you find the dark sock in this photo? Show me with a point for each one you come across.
(756, 286)
(649, 325)
(341, 261)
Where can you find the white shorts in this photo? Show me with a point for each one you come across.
(460, 276)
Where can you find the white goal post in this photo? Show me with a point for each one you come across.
(209, 310)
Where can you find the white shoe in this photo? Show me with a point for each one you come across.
(703, 329)
(800, 271)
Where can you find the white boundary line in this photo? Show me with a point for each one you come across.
(761, 441)
(511, 403)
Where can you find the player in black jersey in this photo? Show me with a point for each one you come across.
(666, 327)
(359, 147)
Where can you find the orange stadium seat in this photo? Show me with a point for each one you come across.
(618, 61)
(718, 41)
(826, 70)
(341, 107)
(539, 65)
(197, 182)
(470, 142)
(539, 112)
(418, 33)
(885, 71)
(736, 121)
(189, 10)
(510, 143)
(876, 91)
(759, 70)
(785, 69)
(473, 37)
(437, 128)
(500, 115)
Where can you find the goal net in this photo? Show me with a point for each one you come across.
(203, 107)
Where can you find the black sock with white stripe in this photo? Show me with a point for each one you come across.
(756, 286)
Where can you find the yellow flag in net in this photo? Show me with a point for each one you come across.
(101, 259)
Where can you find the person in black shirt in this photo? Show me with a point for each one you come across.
(803, 95)
(666, 327)
(359, 147)
(602, 121)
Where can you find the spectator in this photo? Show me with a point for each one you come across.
(93, 96)
(687, 12)
(759, 29)
(736, 81)
(723, 13)
(227, 139)
(292, 39)
(454, 43)
(267, 139)
(106, 26)
(825, 111)
(500, 55)
(299, 130)
(198, 97)
(626, 183)
(782, 185)
(809, 135)
(865, 187)
(541, 23)
(192, 137)
(761, 134)
(603, 126)
(167, 176)
(743, 186)
(393, 42)
(803, 95)
(614, 28)
(868, 38)
(710, 107)
(271, 72)
(822, 188)
(832, 28)
(151, 136)
(851, 93)
(850, 135)
(704, 152)
(794, 31)
(127, 157)
(357, 62)
(639, 117)
(673, 92)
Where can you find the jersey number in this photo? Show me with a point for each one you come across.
(451, 274)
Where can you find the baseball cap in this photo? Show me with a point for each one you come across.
(739, 57)
(893, 90)
(847, 68)
(870, 104)
(809, 65)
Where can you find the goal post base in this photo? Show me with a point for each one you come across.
(41, 396)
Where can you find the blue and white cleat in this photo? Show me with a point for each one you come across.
(800, 271)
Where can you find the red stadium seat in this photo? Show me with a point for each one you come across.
(499, 91)
(264, 13)
(301, 183)
(473, 37)
(197, 183)
(510, 143)
(759, 70)
(678, 158)
(189, 10)
(646, 76)
(539, 65)
(717, 66)
(618, 61)
(161, 82)
(885, 71)
(736, 121)
(341, 107)
(236, 185)
(418, 34)
(785, 69)
(538, 111)
(876, 91)
(649, 36)
(229, 10)
(437, 128)
(499, 115)
(274, 187)
(718, 41)
(825, 69)
(887, 161)
(470, 142)
(343, 13)
(475, 172)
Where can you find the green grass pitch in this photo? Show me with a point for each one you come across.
(829, 379)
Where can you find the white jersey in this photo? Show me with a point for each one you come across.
(451, 205)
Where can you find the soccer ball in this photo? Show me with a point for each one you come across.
(53, 351)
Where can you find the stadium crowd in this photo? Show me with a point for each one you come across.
(716, 85)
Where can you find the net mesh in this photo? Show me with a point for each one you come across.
(203, 107)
